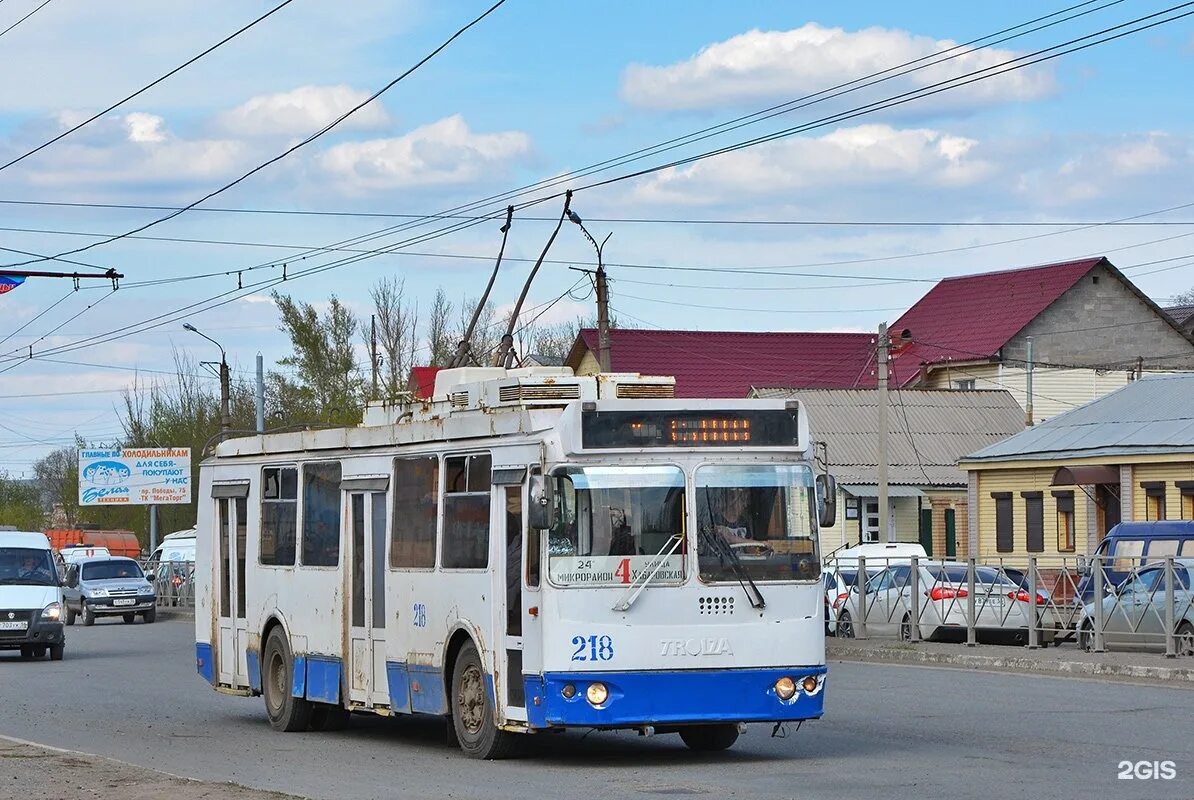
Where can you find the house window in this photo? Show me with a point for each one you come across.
(1187, 498)
(1034, 521)
(1154, 499)
(1066, 540)
(964, 385)
(870, 521)
(466, 512)
(1004, 537)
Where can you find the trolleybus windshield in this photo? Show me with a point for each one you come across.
(614, 524)
(756, 521)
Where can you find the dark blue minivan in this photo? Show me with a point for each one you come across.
(1131, 544)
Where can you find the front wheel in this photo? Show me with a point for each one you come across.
(88, 615)
(709, 738)
(70, 616)
(472, 713)
(285, 712)
(57, 651)
(129, 619)
(1185, 639)
(1086, 637)
(149, 615)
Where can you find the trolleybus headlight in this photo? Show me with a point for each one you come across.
(785, 687)
(810, 684)
(597, 693)
(569, 691)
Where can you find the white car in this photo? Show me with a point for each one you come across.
(1001, 606)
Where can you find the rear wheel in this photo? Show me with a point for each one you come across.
(286, 713)
(88, 615)
(1086, 637)
(906, 628)
(129, 619)
(39, 652)
(56, 651)
(845, 626)
(326, 717)
(472, 713)
(1185, 639)
(26, 651)
(709, 738)
(149, 615)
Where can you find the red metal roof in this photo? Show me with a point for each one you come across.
(971, 317)
(422, 381)
(729, 363)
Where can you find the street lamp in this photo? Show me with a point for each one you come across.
(602, 294)
(225, 414)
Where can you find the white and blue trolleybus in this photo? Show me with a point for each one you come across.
(528, 551)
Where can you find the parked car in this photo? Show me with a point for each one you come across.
(171, 567)
(1134, 611)
(105, 587)
(838, 583)
(30, 596)
(1001, 607)
(1134, 544)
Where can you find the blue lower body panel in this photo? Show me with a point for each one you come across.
(399, 683)
(254, 664)
(204, 663)
(323, 679)
(427, 690)
(673, 697)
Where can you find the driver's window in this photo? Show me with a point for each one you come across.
(1142, 584)
(878, 583)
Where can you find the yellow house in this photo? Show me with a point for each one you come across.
(1058, 487)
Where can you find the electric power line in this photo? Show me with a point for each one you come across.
(27, 16)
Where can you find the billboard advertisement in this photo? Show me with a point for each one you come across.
(135, 476)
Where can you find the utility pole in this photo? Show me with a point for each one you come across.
(602, 295)
(373, 351)
(884, 346)
(1139, 367)
(260, 394)
(225, 394)
(1028, 378)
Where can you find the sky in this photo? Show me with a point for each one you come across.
(535, 93)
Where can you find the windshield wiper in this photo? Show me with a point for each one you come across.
(634, 590)
(753, 595)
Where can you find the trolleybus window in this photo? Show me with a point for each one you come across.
(756, 521)
(279, 515)
(614, 524)
(321, 514)
(416, 503)
(466, 512)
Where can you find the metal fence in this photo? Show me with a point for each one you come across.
(173, 582)
(1098, 603)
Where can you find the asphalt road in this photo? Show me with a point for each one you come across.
(131, 693)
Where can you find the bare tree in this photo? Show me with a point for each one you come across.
(486, 333)
(439, 336)
(397, 334)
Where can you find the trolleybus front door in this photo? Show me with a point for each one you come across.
(367, 647)
(231, 516)
(509, 576)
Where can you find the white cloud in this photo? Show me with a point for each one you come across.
(442, 153)
(145, 127)
(302, 111)
(1109, 168)
(866, 155)
(758, 66)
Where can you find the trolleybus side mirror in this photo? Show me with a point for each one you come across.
(541, 514)
(826, 501)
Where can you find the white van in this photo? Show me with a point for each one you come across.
(30, 596)
(71, 555)
(878, 555)
(171, 567)
(177, 546)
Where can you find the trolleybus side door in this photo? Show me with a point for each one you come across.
(367, 531)
(231, 518)
(509, 516)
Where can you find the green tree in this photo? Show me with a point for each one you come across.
(20, 504)
(326, 384)
(58, 481)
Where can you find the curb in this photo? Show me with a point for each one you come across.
(1180, 676)
(167, 612)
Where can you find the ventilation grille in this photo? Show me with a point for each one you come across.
(458, 399)
(519, 392)
(643, 391)
(717, 605)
